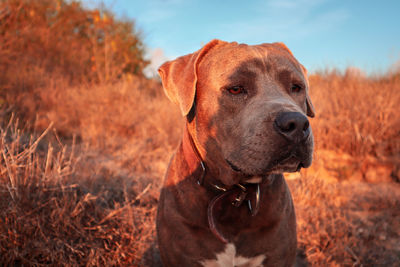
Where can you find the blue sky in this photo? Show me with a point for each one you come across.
(321, 33)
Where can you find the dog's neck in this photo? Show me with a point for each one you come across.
(197, 167)
(248, 192)
(200, 169)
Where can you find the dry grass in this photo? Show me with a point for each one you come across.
(59, 208)
(93, 201)
(85, 194)
(347, 224)
(356, 114)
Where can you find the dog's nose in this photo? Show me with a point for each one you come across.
(294, 126)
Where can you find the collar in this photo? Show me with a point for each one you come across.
(239, 193)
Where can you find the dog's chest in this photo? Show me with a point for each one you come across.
(230, 258)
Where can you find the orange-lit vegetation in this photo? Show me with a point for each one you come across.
(83, 157)
(60, 38)
(357, 114)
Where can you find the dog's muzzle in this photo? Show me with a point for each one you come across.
(295, 128)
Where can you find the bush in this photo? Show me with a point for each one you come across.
(54, 38)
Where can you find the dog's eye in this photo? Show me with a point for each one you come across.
(235, 90)
(296, 88)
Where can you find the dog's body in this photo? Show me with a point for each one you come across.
(245, 107)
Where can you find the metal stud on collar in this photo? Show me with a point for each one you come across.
(203, 174)
(257, 207)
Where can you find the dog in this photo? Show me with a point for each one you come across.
(224, 200)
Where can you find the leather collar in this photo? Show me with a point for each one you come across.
(239, 193)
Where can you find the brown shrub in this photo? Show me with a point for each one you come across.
(47, 40)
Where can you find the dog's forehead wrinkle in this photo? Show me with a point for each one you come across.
(248, 61)
(263, 55)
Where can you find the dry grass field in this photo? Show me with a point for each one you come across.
(79, 183)
(84, 151)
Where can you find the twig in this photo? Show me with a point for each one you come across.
(34, 145)
(351, 252)
(10, 177)
(115, 212)
(143, 192)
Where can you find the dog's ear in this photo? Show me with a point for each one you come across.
(179, 77)
(309, 105)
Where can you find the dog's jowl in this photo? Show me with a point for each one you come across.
(224, 200)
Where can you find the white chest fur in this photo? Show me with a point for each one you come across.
(229, 258)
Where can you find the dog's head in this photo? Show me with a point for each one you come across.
(247, 106)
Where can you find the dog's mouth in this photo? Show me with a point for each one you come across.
(233, 166)
(288, 163)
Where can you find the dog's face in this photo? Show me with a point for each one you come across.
(250, 107)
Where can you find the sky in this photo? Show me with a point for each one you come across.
(322, 34)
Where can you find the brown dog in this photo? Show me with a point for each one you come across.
(225, 201)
